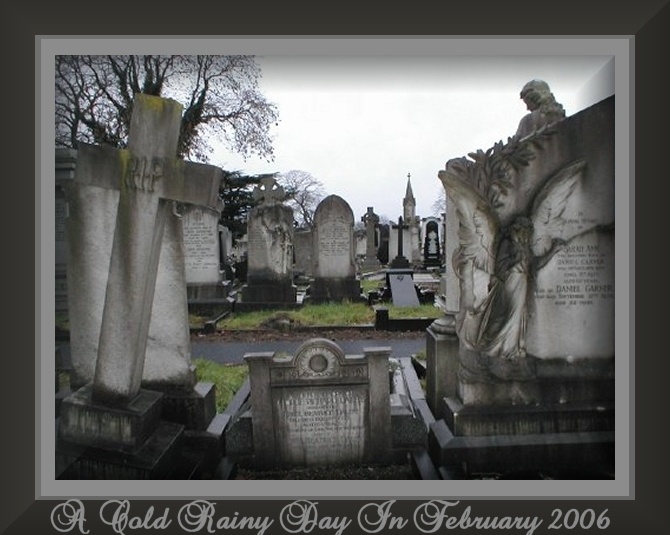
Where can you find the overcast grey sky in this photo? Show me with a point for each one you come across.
(360, 124)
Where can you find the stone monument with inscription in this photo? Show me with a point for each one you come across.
(127, 421)
(203, 252)
(269, 249)
(320, 407)
(333, 254)
(532, 304)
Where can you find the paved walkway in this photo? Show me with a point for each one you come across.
(233, 352)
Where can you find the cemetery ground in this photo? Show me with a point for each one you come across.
(344, 323)
(341, 322)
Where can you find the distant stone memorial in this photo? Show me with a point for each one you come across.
(535, 317)
(320, 407)
(302, 251)
(401, 232)
(384, 246)
(114, 413)
(203, 252)
(269, 248)
(432, 253)
(371, 220)
(334, 262)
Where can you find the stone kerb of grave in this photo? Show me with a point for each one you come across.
(320, 407)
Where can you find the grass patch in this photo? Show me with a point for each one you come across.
(335, 314)
(368, 285)
(328, 314)
(422, 311)
(196, 322)
(228, 379)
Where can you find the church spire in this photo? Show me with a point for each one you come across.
(409, 203)
(408, 191)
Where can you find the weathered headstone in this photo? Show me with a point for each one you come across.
(333, 253)
(371, 220)
(114, 411)
(320, 407)
(535, 317)
(269, 249)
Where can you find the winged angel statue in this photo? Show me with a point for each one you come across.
(500, 253)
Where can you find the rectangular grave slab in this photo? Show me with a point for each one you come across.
(403, 292)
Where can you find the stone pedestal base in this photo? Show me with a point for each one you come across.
(399, 262)
(124, 428)
(158, 458)
(549, 453)
(561, 417)
(335, 290)
(441, 363)
(495, 420)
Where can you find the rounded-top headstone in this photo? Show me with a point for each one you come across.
(334, 239)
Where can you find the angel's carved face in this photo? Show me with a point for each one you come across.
(521, 231)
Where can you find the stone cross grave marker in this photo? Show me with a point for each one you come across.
(148, 176)
(400, 261)
(371, 221)
(268, 191)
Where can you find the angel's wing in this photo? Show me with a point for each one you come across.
(549, 205)
(478, 222)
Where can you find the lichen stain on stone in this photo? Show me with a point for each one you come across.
(124, 158)
(159, 105)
